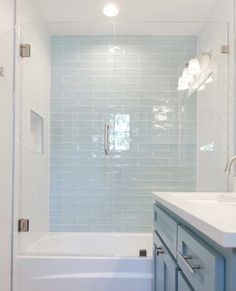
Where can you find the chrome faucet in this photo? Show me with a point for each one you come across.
(229, 165)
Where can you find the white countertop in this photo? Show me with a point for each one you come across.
(213, 214)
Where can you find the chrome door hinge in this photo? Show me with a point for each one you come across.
(25, 50)
(225, 49)
(23, 225)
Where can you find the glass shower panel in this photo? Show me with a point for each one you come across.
(99, 102)
(146, 108)
(32, 129)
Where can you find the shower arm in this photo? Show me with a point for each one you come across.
(106, 138)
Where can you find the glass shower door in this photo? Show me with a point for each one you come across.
(100, 124)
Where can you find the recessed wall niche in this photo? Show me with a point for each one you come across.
(36, 132)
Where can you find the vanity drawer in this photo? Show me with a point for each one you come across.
(201, 264)
(167, 228)
(183, 284)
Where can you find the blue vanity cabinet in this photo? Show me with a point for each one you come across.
(165, 267)
(183, 260)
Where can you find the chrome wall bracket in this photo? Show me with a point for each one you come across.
(25, 50)
(225, 49)
(23, 225)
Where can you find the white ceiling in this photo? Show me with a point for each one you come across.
(133, 14)
(130, 10)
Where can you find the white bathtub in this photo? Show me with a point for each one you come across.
(87, 262)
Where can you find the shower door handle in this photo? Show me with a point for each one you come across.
(106, 138)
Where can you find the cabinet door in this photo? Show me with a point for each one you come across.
(183, 284)
(165, 267)
(167, 229)
(158, 271)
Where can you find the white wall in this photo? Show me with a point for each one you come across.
(215, 104)
(6, 58)
(212, 115)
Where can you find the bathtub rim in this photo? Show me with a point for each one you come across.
(35, 250)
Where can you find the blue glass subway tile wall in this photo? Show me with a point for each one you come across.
(129, 82)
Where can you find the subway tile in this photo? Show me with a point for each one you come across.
(89, 84)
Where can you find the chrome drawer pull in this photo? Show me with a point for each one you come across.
(187, 257)
(189, 267)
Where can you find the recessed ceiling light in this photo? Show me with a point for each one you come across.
(111, 10)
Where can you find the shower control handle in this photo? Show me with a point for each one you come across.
(106, 138)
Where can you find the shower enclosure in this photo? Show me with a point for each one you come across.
(100, 124)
